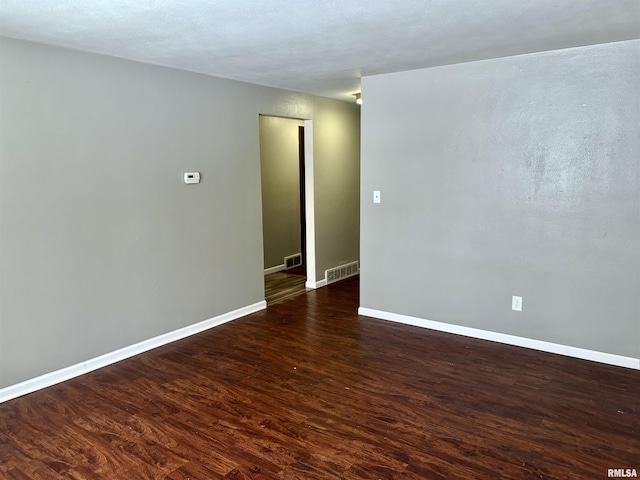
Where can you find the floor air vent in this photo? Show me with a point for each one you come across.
(293, 261)
(341, 272)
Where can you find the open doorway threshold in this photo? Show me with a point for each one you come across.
(280, 286)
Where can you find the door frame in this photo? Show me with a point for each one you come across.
(309, 205)
(303, 212)
(309, 201)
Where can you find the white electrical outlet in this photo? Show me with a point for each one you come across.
(191, 177)
(516, 303)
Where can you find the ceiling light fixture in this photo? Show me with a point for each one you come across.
(358, 98)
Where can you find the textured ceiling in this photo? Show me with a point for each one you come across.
(316, 46)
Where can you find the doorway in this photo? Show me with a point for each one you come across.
(284, 206)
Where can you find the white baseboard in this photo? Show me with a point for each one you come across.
(314, 285)
(277, 268)
(48, 379)
(566, 350)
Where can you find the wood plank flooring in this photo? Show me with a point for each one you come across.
(308, 390)
(279, 286)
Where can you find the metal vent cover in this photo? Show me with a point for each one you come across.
(343, 271)
(293, 261)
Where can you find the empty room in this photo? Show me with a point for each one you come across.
(462, 213)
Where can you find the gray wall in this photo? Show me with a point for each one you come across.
(512, 176)
(101, 243)
(337, 141)
(280, 173)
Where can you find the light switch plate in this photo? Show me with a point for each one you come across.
(376, 196)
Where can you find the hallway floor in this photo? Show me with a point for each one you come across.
(279, 286)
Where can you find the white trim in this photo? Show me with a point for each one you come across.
(277, 268)
(48, 379)
(318, 284)
(309, 202)
(566, 350)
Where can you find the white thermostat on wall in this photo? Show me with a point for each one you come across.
(191, 177)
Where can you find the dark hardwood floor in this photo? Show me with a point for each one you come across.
(308, 390)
